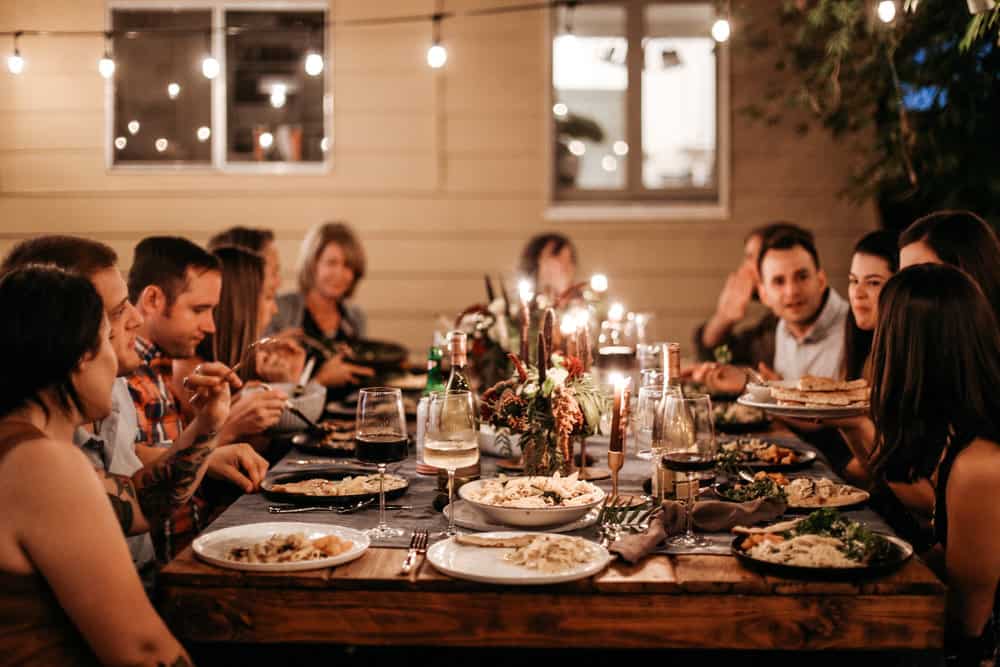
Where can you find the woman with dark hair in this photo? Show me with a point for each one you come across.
(875, 259)
(549, 260)
(958, 238)
(331, 264)
(260, 241)
(59, 368)
(935, 373)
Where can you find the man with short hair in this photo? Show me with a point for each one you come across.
(140, 495)
(809, 338)
(175, 285)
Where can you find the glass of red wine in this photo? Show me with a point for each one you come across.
(381, 439)
(689, 447)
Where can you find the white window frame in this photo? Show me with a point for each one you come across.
(220, 122)
(648, 208)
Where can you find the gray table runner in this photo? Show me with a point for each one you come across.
(423, 491)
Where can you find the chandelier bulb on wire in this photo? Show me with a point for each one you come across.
(437, 56)
(886, 10)
(15, 63)
(210, 67)
(106, 66)
(721, 30)
(314, 64)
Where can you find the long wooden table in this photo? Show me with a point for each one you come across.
(668, 601)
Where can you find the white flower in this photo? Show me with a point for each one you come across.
(530, 389)
(558, 375)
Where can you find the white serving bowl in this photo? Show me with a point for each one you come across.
(311, 404)
(761, 393)
(523, 517)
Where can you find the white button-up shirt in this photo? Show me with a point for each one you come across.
(821, 350)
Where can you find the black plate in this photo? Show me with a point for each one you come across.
(308, 442)
(902, 554)
(377, 354)
(722, 488)
(267, 487)
(806, 458)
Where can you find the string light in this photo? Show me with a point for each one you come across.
(121, 143)
(203, 133)
(314, 64)
(210, 67)
(721, 28)
(106, 66)
(279, 95)
(324, 144)
(599, 282)
(266, 140)
(886, 10)
(173, 90)
(15, 63)
(133, 127)
(620, 148)
(577, 147)
(161, 145)
(437, 55)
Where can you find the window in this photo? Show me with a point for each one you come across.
(210, 86)
(638, 98)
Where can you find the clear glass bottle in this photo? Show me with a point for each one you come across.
(457, 346)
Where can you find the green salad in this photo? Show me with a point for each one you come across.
(860, 544)
(765, 487)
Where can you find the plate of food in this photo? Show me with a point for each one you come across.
(531, 502)
(812, 398)
(338, 439)
(280, 547)
(764, 454)
(468, 516)
(333, 487)
(803, 494)
(518, 558)
(733, 417)
(825, 544)
(378, 354)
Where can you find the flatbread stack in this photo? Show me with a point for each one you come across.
(819, 392)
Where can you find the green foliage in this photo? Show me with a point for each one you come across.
(919, 108)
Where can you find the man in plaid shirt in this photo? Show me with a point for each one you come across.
(175, 285)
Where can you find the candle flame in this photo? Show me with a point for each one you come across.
(567, 325)
(524, 288)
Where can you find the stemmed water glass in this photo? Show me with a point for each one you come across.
(381, 439)
(690, 447)
(450, 439)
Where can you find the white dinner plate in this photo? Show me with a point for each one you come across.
(487, 564)
(213, 547)
(803, 411)
(468, 516)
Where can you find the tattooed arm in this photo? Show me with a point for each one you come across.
(171, 480)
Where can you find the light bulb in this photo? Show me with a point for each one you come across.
(621, 148)
(567, 326)
(133, 127)
(560, 109)
(437, 56)
(525, 290)
(324, 144)
(721, 30)
(210, 67)
(203, 133)
(121, 143)
(577, 147)
(279, 95)
(15, 63)
(609, 163)
(266, 139)
(314, 64)
(599, 282)
(161, 144)
(106, 66)
(173, 90)
(616, 312)
(886, 11)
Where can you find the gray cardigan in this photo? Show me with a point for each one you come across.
(292, 309)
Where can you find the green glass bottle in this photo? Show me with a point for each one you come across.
(435, 378)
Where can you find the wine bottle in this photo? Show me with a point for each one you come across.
(458, 380)
(435, 379)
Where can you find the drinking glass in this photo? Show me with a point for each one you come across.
(381, 439)
(650, 392)
(450, 439)
(690, 447)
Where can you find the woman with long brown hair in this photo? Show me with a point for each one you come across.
(875, 259)
(936, 369)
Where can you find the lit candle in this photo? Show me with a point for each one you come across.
(524, 290)
(599, 283)
(619, 382)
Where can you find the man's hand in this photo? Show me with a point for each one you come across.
(736, 295)
(336, 372)
(239, 464)
(210, 385)
(253, 413)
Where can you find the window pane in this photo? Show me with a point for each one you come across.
(161, 96)
(275, 85)
(678, 97)
(590, 82)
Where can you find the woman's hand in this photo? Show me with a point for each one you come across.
(336, 372)
(281, 360)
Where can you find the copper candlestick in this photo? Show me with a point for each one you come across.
(615, 461)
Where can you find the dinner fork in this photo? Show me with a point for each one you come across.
(338, 509)
(418, 547)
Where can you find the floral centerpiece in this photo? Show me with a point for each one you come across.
(548, 405)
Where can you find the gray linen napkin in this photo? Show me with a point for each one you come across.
(711, 516)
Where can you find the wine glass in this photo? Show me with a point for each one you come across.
(450, 439)
(650, 393)
(381, 439)
(690, 447)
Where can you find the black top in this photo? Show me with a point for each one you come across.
(971, 651)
